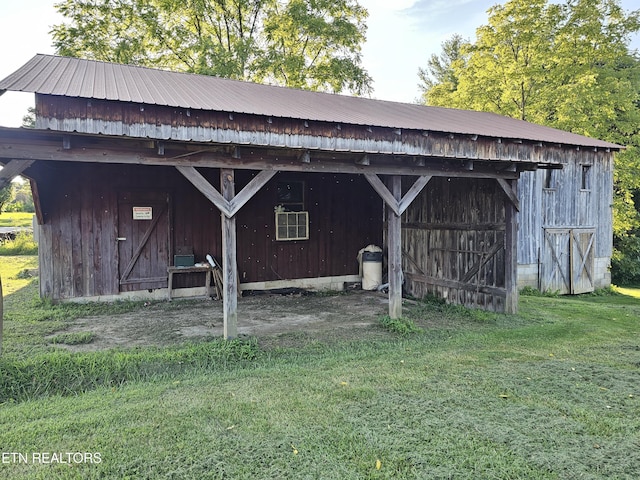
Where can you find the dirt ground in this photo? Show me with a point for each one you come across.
(271, 318)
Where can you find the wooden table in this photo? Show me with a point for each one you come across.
(207, 270)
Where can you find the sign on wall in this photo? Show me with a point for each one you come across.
(142, 213)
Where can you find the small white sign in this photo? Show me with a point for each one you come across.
(142, 213)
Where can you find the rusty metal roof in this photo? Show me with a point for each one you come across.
(73, 77)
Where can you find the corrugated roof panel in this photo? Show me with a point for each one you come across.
(74, 86)
(65, 73)
(138, 89)
(100, 82)
(86, 87)
(91, 79)
(111, 85)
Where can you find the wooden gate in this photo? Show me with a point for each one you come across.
(567, 260)
(144, 245)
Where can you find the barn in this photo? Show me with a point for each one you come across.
(133, 169)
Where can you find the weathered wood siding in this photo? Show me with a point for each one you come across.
(562, 199)
(163, 123)
(79, 249)
(453, 243)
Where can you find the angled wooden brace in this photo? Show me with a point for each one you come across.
(509, 192)
(228, 207)
(13, 169)
(398, 206)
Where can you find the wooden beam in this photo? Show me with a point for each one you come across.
(510, 191)
(443, 282)
(228, 207)
(208, 190)
(485, 257)
(12, 170)
(511, 253)
(394, 239)
(95, 154)
(413, 192)
(37, 204)
(384, 192)
(305, 157)
(247, 193)
(398, 206)
(229, 260)
(363, 160)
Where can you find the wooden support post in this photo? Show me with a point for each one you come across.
(229, 259)
(394, 239)
(511, 252)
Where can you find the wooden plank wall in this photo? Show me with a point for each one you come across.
(566, 203)
(79, 249)
(453, 226)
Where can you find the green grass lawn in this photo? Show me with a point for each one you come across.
(550, 393)
(16, 219)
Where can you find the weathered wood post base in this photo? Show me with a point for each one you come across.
(229, 260)
(511, 251)
(394, 240)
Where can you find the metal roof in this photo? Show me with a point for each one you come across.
(74, 77)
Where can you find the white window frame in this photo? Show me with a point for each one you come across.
(292, 226)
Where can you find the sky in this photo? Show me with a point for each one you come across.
(401, 36)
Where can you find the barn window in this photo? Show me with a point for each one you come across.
(585, 184)
(292, 225)
(292, 221)
(291, 195)
(549, 179)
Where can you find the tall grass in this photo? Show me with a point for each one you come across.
(23, 244)
(63, 373)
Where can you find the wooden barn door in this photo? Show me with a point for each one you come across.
(582, 260)
(144, 226)
(567, 260)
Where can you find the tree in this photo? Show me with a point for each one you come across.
(567, 66)
(5, 195)
(442, 70)
(312, 44)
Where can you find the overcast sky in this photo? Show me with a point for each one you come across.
(402, 35)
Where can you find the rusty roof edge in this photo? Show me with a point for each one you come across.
(405, 116)
(579, 142)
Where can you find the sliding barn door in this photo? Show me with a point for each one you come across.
(144, 246)
(582, 260)
(567, 260)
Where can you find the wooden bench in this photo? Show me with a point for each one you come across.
(206, 269)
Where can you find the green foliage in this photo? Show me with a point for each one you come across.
(306, 44)
(401, 326)
(74, 338)
(5, 196)
(23, 244)
(16, 197)
(567, 66)
(534, 292)
(625, 261)
(62, 373)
